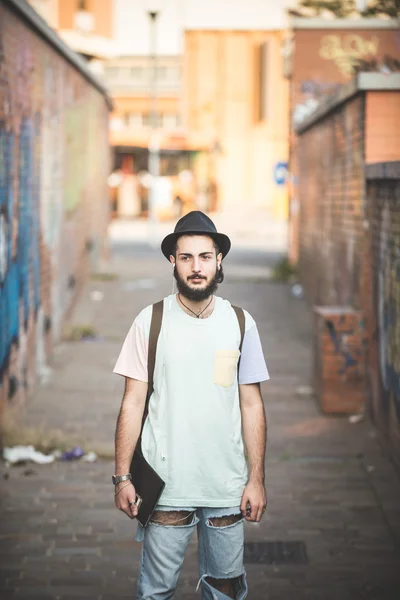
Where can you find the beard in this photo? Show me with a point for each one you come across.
(194, 294)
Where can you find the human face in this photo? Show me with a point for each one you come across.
(196, 267)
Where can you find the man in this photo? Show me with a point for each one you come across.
(201, 415)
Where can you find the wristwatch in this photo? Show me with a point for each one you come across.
(118, 478)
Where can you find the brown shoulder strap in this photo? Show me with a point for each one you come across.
(155, 328)
(242, 323)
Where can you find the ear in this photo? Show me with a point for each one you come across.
(219, 259)
(172, 260)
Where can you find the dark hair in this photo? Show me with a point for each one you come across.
(220, 275)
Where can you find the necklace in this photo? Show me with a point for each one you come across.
(197, 315)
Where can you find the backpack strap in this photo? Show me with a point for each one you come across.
(155, 328)
(242, 324)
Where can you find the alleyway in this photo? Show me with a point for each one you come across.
(329, 484)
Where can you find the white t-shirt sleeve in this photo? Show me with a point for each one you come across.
(132, 360)
(252, 367)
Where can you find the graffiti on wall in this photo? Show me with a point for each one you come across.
(19, 241)
(349, 53)
(351, 356)
(388, 302)
(346, 51)
(53, 173)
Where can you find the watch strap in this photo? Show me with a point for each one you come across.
(119, 478)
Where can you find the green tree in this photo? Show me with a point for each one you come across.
(345, 8)
(339, 8)
(383, 7)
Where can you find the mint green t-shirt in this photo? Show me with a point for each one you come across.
(192, 436)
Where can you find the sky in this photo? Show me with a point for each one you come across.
(132, 21)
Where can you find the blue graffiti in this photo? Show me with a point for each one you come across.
(18, 269)
(340, 348)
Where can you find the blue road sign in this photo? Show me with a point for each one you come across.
(281, 173)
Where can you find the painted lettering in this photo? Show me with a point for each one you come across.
(346, 51)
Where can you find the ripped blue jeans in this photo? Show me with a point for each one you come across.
(220, 553)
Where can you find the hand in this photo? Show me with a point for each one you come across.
(256, 496)
(125, 496)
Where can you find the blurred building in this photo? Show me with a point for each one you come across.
(321, 55)
(129, 79)
(235, 93)
(87, 26)
(221, 99)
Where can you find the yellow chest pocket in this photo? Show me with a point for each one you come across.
(225, 367)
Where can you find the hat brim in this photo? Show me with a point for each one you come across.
(222, 240)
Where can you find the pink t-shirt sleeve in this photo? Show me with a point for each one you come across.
(132, 360)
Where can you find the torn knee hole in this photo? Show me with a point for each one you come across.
(226, 586)
(224, 521)
(173, 517)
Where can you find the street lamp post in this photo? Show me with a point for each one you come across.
(154, 145)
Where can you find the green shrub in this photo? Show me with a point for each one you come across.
(284, 270)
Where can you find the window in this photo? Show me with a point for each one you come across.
(173, 75)
(261, 82)
(161, 72)
(135, 120)
(170, 120)
(112, 72)
(147, 120)
(137, 73)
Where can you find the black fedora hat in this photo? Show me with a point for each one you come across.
(195, 222)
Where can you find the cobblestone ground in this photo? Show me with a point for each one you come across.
(330, 486)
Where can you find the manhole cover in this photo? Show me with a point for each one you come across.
(276, 553)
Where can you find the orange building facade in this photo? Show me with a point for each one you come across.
(236, 95)
(89, 16)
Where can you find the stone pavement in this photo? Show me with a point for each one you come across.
(330, 485)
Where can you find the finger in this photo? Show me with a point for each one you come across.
(243, 505)
(126, 511)
(254, 511)
(133, 506)
(259, 514)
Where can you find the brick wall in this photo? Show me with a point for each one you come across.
(54, 161)
(383, 206)
(331, 191)
(323, 59)
(349, 249)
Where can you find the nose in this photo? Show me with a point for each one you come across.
(196, 265)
